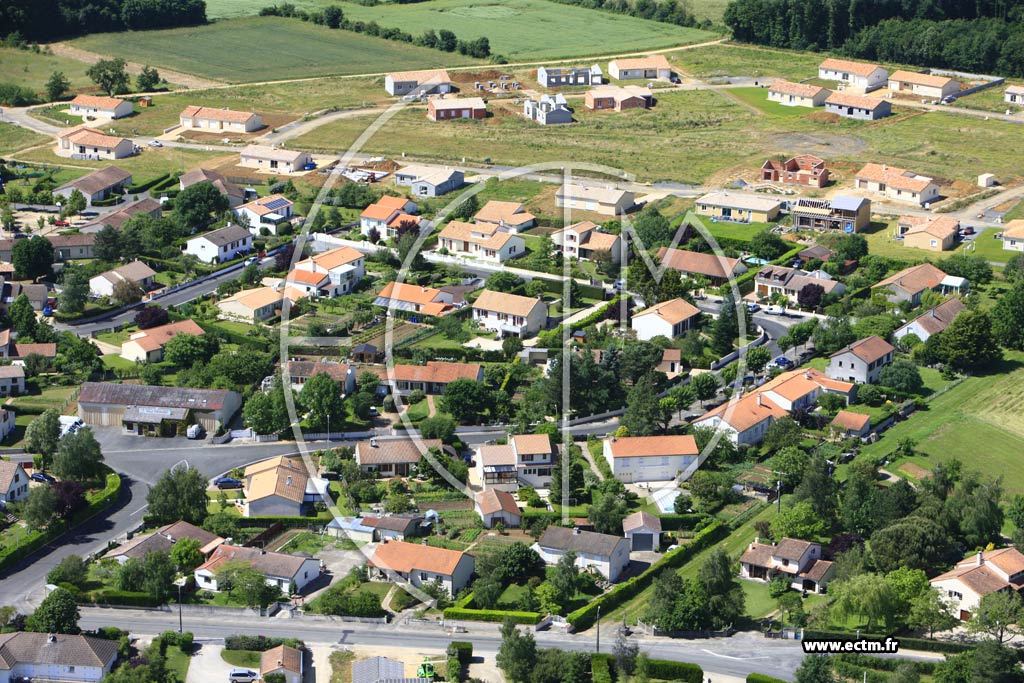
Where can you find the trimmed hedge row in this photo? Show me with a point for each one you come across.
(492, 615)
(464, 650)
(675, 671)
(883, 663)
(110, 596)
(552, 339)
(922, 644)
(585, 617)
(259, 643)
(684, 522)
(601, 668)
(859, 673)
(149, 184)
(761, 678)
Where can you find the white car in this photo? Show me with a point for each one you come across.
(251, 260)
(155, 143)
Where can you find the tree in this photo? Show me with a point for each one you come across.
(251, 588)
(798, 521)
(784, 432)
(833, 334)
(260, 414)
(810, 295)
(607, 514)
(705, 385)
(111, 75)
(321, 397)
(565, 579)
(995, 663)
(23, 317)
(817, 488)
(726, 598)
(107, 246)
(186, 554)
(32, 258)
(726, 328)
(757, 358)
(57, 613)
(179, 494)
(788, 464)
(72, 298)
(815, 669)
(644, 413)
(930, 611)
(968, 344)
(127, 292)
(510, 346)
(466, 400)
(72, 569)
(1008, 318)
(148, 79)
(516, 563)
(915, 542)
(151, 316)
(866, 596)
(79, 456)
(57, 85)
(902, 376)
(518, 651)
(998, 615)
(467, 208)
(438, 427)
(768, 245)
(195, 205)
(42, 435)
(185, 350)
(625, 654)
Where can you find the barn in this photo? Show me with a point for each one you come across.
(151, 410)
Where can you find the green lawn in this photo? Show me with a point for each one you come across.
(32, 69)
(758, 98)
(1014, 213)
(178, 662)
(736, 231)
(249, 659)
(985, 244)
(759, 603)
(419, 411)
(989, 99)
(306, 542)
(14, 138)
(151, 162)
(116, 338)
(115, 362)
(49, 397)
(267, 48)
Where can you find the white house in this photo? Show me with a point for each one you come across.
(510, 314)
(343, 268)
(101, 107)
(433, 81)
(643, 531)
(484, 241)
(526, 459)
(897, 184)
(288, 573)
(280, 487)
(978, 575)
(604, 200)
(648, 68)
(494, 506)
(82, 142)
(547, 111)
(256, 304)
(556, 77)
(136, 272)
(858, 75)
(97, 185)
(585, 240)
(1014, 94)
(423, 564)
(266, 213)
(221, 245)
(415, 299)
(12, 380)
(28, 656)
(791, 94)
(219, 120)
(508, 216)
(670, 319)
(381, 214)
(861, 361)
(910, 283)
(274, 159)
(651, 458)
(284, 660)
(800, 562)
(931, 322)
(147, 346)
(1013, 235)
(789, 282)
(923, 85)
(606, 554)
(429, 182)
(13, 482)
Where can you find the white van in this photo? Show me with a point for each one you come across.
(69, 424)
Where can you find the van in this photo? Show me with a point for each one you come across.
(242, 676)
(194, 431)
(69, 424)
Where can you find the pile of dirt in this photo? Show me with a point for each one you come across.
(386, 166)
(824, 117)
(472, 77)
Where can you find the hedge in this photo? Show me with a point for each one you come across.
(492, 615)
(675, 671)
(258, 343)
(761, 678)
(585, 617)
(748, 277)
(259, 643)
(552, 339)
(110, 596)
(464, 650)
(684, 522)
(885, 663)
(922, 644)
(601, 668)
(142, 187)
(859, 673)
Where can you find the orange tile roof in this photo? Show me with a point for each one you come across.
(532, 444)
(155, 337)
(936, 226)
(438, 372)
(90, 137)
(850, 420)
(697, 262)
(1014, 228)
(329, 260)
(259, 206)
(306, 277)
(673, 311)
(641, 520)
(914, 279)
(492, 500)
(98, 101)
(858, 68)
(510, 304)
(215, 114)
(464, 232)
(414, 294)
(846, 100)
(286, 480)
(920, 79)
(649, 62)
(503, 212)
(437, 75)
(893, 176)
(281, 657)
(868, 349)
(255, 298)
(798, 89)
(403, 218)
(652, 446)
(406, 558)
(379, 211)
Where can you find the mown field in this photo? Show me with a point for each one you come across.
(32, 69)
(266, 49)
(150, 163)
(739, 60)
(13, 138)
(530, 29)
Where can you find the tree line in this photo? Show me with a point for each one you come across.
(983, 36)
(665, 11)
(44, 20)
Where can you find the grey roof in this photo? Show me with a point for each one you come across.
(392, 451)
(150, 415)
(99, 180)
(62, 650)
(117, 219)
(12, 372)
(225, 235)
(381, 670)
(218, 180)
(589, 542)
(162, 539)
(844, 203)
(147, 395)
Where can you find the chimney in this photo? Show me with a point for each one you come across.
(52, 638)
(981, 558)
(373, 443)
(279, 663)
(807, 374)
(576, 531)
(288, 481)
(759, 399)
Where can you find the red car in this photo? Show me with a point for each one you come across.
(62, 224)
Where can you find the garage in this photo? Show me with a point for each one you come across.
(642, 542)
(643, 531)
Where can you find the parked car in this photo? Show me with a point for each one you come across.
(783, 362)
(797, 263)
(967, 230)
(227, 483)
(242, 676)
(195, 431)
(42, 477)
(773, 310)
(62, 224)
(753, 308)
(251, 260)
(155, 143)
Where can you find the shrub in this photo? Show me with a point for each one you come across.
(675, 671)
(463, 649)
(601, 668)
(761, 678)
(492, 615)
(259, 643)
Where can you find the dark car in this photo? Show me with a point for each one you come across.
(228, 483)
(783, 362)
(43, 477)
(968, 230)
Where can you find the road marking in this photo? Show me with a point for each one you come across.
(738, 659)
(140, 510)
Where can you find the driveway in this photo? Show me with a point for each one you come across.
(207, 665)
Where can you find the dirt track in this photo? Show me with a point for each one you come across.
(134, 68)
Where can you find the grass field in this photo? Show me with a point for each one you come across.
(32, 69)
(266, 49)
(735, 231)
(14, 138)
(985, 244)
(150, 163)
(989, 99)
(530, 29)
(733, 60)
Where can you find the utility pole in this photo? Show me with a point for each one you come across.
(328, 426)
(599, 629)
(778, 488)
(179, 607)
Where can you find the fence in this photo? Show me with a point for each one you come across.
(217, 610)
(728, 358)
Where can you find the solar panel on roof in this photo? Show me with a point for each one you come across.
(276, 204)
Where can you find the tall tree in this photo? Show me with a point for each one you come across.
(42, 434)
(195, 206)
(968, 344)
(644, 413)
(32, 258)
(1008, 318)
(57, 613)
(57, 86)
(73, 297)
(40, 508)
(998, 616)
(111, 75)
(517, 653)
(321, 397)
(179, 494)
(148, 79)
(79, 456)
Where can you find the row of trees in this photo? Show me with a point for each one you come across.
(46, 20)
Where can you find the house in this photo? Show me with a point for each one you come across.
(162, 540)
(791, 94)
(671, 363)
(670, 319)
(771, 280)
(546, 111)
(923, 84)
(858, 75)
(236, 195)
(422, 564)
(556, 77)
(283, 660)
(585, 240)
(274, 159)
(803, 169)
(135, 272)
(298, 372)
(263, 215)
(910, 283)
(99, 106)
(815, 252)
(393, 527)
(7, 422)
(651, 67)
(287, 573)
(604, 200)
(343, 268)
(13, 482)
(606, 554)
(280, 487)
(97, 185)
(510, 314)
(430, 182)
(716, 269)
(256, 304)
(1014, 94)
(107, 405)
(643, 531)
(861, 361)
(219, 120)
(428, 82)
(26, 656)
(847, 424)
(392, 457)
(220, 245)
(839, 214)
(483, 241)
(931, 322)
(526, 459)
(147, 346)
(379, 215)
(651, 458)
(497, 507)
(618, 98)
(857, 106)
(432, 378)
(37, 295)
(415, 299)
(975, 577)
(117, 219)
(897, 184)
(72, 247)
(82, 142)
(1013, 235)
(800, 562)
(745, 418)
(933, 233)
(456, 108)
(509, 216)
(382, 670)
(742, 208)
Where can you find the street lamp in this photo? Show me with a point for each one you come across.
(599, 629)
(179, 604)
(328, 426)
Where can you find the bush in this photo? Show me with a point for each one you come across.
(110, 596)
(761, 678)
(601, 668)
(492, 615)
(463, 649)
(684, 522)
(675, 671)
(259, 643)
